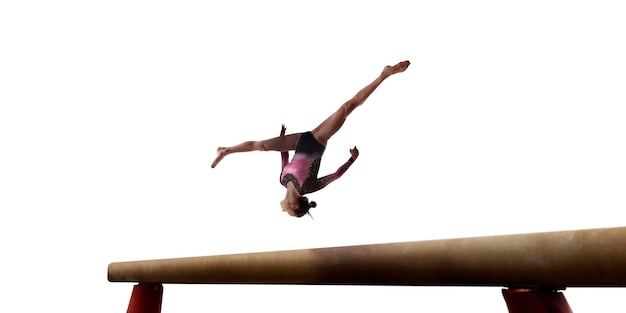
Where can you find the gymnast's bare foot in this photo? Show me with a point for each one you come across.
(398, 68)
(221, 153)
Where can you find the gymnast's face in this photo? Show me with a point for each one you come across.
(288, 207)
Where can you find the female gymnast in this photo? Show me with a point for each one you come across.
(300, 175)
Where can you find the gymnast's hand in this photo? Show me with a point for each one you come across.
(282, 130)
(354, 152)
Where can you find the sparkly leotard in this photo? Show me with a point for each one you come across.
(305, 165)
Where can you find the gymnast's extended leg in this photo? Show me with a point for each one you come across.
(332, 124)
(281, 143)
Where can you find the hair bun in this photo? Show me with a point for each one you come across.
(313, 204)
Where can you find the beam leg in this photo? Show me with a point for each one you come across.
(146, 298)
(535, 301)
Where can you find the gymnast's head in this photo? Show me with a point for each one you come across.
(298, 209)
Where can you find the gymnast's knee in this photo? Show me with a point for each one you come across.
(260, 145)
(349, 106)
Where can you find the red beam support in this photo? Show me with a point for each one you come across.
(535, 301)
(146, 298)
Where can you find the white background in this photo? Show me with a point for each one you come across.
(509, 120)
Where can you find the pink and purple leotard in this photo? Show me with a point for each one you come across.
(305, 165)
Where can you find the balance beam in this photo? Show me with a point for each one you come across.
(549, 260)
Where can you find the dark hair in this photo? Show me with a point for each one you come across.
(304, 206)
